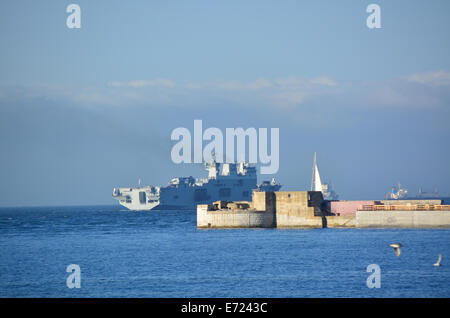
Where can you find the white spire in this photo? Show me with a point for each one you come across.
(316, 183)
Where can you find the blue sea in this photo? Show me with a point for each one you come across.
(163, 254)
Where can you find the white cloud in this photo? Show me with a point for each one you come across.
(435, 78)
(230, 85)
(295, 81)
(402, 94)
(115, 84)
(95, 98)
(287, 92)
(259, 83)
(274, 93)
(289, 81)
(288, 99)
(323, 80)
(161, 82)
(264, 85)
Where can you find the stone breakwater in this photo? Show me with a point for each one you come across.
(308, 209)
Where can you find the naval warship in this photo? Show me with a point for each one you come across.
(235, 183)
(400, 193)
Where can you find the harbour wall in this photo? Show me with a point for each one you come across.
(259, 214)
(307, 209)
(403, 219)
(294, 209)
(286, 209)
(233, 219)
(415, 202)
(350, 207)
(340, 221)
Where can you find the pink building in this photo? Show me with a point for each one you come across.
(346, 207)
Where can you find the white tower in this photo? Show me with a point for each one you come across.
(316, 183)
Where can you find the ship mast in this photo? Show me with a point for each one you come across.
(212, 168)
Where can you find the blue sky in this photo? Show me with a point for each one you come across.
(83, 111)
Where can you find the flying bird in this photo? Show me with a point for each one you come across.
(438, 263)
(396, 247)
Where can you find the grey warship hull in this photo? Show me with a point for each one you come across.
(235, 183)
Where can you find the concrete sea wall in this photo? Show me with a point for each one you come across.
(287, 209)
(340, 221)
(293, 210)
(400, 202)
(307, 209)
(260, 214)
(233, 218)
(403, 219)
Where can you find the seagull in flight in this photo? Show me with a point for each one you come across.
(396, 247)
(438, 263)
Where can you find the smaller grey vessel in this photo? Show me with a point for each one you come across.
(235, 183)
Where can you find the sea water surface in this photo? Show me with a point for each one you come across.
(163, 254)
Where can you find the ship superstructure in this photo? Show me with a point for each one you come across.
(399, 193)
(235, 183)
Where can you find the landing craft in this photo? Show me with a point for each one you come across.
(235, 183)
